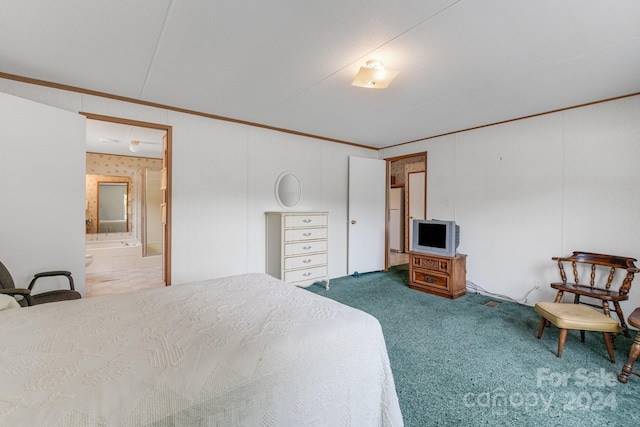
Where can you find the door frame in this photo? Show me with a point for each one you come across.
(166, 253)
(390, 160)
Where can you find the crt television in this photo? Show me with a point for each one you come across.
(436, 237)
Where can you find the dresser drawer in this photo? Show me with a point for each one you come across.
(305, 274)
(424, 277)
(305, 261)
(298, 234)
(305, 221)
(432, 263)
(302, 248)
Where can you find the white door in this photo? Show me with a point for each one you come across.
(367, 214)
(416, 196)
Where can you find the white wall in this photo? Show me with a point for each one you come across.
(522, 191)
(528, 190)
(223, 181)
(42, 196)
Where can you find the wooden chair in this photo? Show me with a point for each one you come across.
(606, 293)
(574, 316)
(627, 369)
(7, 287)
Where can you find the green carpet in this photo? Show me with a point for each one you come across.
(461, 363)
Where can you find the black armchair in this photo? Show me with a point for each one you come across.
(7, 287)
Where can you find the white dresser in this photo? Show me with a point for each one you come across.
(297, 247)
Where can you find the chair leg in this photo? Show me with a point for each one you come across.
(608, 340)
(627, 369)
(623, 324)
(581, 336)
(543, 323)
(561, 341)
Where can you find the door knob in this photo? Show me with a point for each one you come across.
(353, 221)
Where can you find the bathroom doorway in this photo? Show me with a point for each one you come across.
(141, 151)
(401, 197)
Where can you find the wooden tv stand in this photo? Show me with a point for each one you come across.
(438, 275)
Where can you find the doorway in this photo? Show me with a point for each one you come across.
(404, 203)
(151, 209)
(143, 150)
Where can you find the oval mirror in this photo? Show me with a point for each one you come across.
(288, 190)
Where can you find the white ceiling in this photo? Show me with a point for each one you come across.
(115, 138)
(289, 63)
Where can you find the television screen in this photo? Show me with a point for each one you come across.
(432, 235)
(435, 237)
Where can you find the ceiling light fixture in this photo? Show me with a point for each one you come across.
(134, 147)
(135, 144)
(374, 76)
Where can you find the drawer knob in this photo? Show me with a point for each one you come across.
(306, 248)
(306, 221)
(306, 234)
(306, 261)
(429, 279)
(306, 274)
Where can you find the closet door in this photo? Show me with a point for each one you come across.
(367, 214)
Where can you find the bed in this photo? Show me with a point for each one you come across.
(246, 350)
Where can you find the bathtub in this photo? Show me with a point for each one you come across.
(114, 255)
(110, 244)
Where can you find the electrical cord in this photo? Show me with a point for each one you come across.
(479, 290)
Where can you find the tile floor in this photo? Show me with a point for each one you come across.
(123, 281)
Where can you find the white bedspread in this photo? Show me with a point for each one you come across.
(246, 350)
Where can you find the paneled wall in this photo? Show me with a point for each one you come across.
(42, 192)
(525, 191)
(522, 192)
(223, 181)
